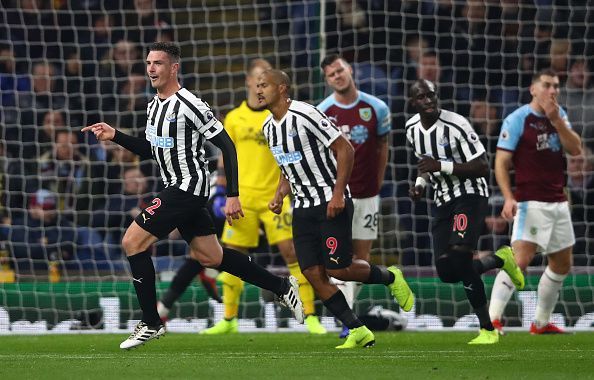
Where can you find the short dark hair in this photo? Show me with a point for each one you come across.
(422, 82)
(170, 48)
(279, 77)
(548, 72)
(329, 59)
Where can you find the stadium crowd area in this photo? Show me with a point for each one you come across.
(68, 64)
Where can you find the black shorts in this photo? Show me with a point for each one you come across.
(459, 222)
(174, 208)
(322, 241)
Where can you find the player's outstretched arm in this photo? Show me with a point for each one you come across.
(102, 131)
(136, 145)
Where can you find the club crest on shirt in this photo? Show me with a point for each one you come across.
(365, 113)
(443, 141)
(171, 117)
(292, 132)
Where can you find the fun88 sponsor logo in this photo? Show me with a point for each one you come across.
(283, 158)
(160, 141)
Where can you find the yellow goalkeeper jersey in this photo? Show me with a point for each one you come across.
(258, 171)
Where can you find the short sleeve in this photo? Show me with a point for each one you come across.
(321, 127)
(511, 131)
(205, 121)
(470, 144)
(384, 119)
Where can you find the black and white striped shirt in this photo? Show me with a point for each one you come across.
(300, 143)
(176, 128)
(451, 138)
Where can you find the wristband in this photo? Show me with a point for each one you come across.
(447, 167)
(420, 182)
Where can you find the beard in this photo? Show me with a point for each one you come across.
(344, 90)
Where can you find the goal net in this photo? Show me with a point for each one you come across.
(66, 199)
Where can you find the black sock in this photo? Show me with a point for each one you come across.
(487, 263)
(243, 267)
(183, 278)
(379, 275)
(143, 278)
(475, 292)
(338, 306)
(484, 318)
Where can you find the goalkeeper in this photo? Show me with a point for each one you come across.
(258, 178)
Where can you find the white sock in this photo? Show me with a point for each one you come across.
(356, 289)
(548, 293)
(162, 310)
(350, 289)
(503, 289)
(347, 289)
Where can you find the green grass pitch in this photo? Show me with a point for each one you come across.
(402, 355)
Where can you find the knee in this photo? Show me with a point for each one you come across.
(561, 262)
(231, 280)
(523, 261)
(562, 268)
(566, 267)
(315, 276)
(287, 251)
(339, 274)
(131, 245)
(460, 251)
(446, 270)
(207, 260)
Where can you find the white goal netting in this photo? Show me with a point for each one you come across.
(66, 199)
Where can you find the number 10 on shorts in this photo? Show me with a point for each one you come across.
(460, 222)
